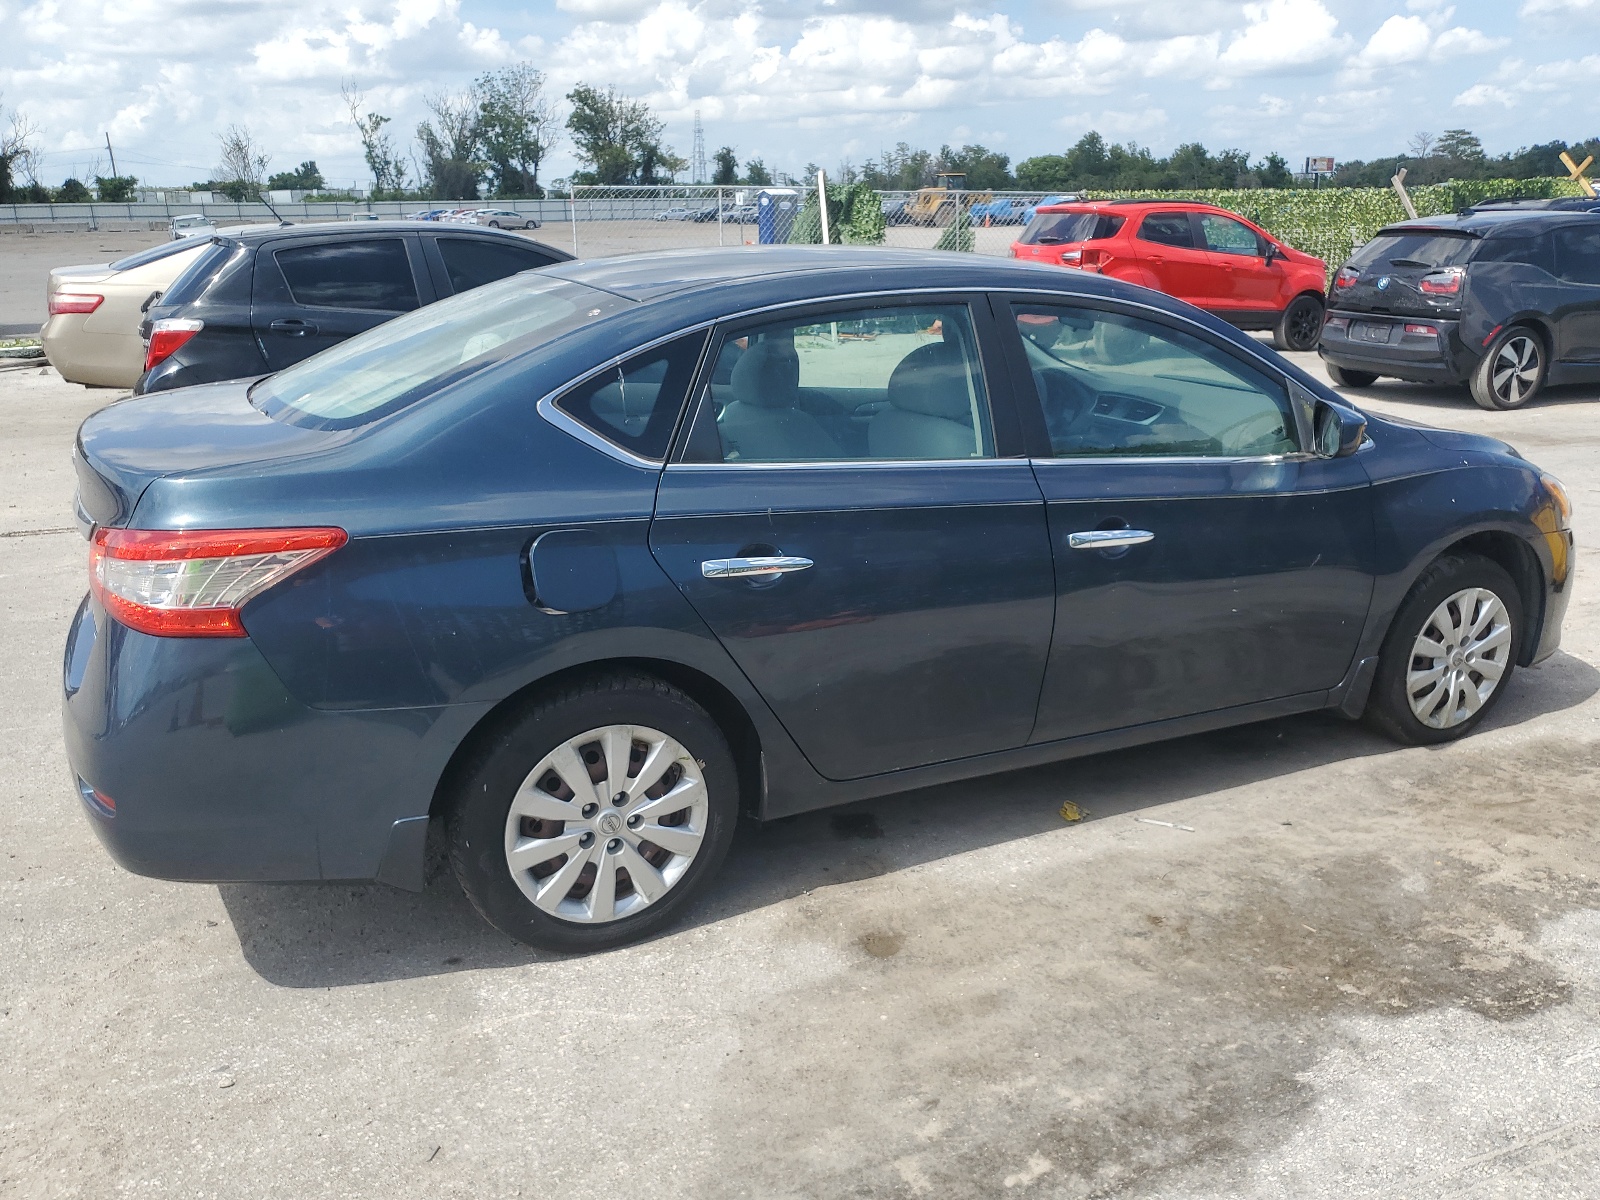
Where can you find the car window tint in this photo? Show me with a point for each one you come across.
(1578, 254)
(887, 383)
(1111, 384)
(1227, 236)
(201, 273)
(636, 403)
(1169, 229)
(370, 273)
(1529, 251)
(1431, 248)
(473, 262)
(1050, 229)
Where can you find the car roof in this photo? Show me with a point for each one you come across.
(1494, 222)
(257, 234)
(1129, 202)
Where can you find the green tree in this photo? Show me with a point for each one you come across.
(900, 169)
(18, 157)
(388, 169)
(986, 170)
(243, 162)
(1273, 172)
(727, 172)
(757, 175)
(517, 126)
(73, 191)
(115, 189)
(450, 144)
(304, 178)
(1461, 145)
(617, 139)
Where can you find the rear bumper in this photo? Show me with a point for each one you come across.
(1440, 359)
(215, 773)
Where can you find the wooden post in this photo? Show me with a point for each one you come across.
(1576, 171)
(822, 207)
(1398, 179)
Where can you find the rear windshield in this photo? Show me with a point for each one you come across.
(154, 254)
(1426, 248)
(403, 360)
(199, 275)
(1049, 229)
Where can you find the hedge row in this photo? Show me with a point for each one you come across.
(1329, 222)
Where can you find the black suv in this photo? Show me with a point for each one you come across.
(256, 302)
(1503, 298)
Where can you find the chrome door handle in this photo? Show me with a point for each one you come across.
(1109, 539)
(744, 568)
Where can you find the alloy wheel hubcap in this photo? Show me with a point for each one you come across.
(1515, 370)
(1305, 325)
(606, 824)
(1459, 658)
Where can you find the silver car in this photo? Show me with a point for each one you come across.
(504, 218)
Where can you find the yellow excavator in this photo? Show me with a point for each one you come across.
(939, 204)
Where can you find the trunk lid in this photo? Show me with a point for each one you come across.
(121, 450)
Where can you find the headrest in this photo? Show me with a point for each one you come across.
(767, 375)
(932, 380)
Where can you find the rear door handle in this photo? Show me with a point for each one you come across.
(1109, 539)
(748, 568)
(292, 326)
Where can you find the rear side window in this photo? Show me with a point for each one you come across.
(1427, 248)
(635, 404)
(1168, 229)
(473, 262)
(1049, 229)
(1578, 254)
(201, 274)
(369, 274)
(1529, 251)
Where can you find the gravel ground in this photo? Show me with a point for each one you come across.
(1367, 972)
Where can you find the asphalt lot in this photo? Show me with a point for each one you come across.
(1367, 972)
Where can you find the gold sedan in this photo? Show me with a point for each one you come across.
(92, 334)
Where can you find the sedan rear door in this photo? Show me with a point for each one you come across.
(312, 293)
(884, 579)
(1204, 561)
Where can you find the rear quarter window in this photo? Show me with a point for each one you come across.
(1526, 251)
(202, 273)
(1049, 229)
(473, 262)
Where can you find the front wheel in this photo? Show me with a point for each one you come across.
(1512, 373)
(1300, 325)
(1345, 377)
(596, 816)
(1449, 654)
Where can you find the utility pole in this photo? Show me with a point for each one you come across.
(698, 165)
(113, 155)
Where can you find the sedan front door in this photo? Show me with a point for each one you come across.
(881, 575)
(1173, 252)
(1203, 560)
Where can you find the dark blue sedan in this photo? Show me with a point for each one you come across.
(582, 564)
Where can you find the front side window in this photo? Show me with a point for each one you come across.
(1111, 384)
(886, 383)
(1227, 236)
(1168, 229)
(636, 403)
(473, 262)
(369, 274)
(1578, 254)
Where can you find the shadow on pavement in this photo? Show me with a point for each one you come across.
(333, 935)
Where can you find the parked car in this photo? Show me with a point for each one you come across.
(684, 213)
(259, 302)
(520, 565)
(1003, 210)
(365, 216)
(741, 214)
(1502, 299)
(190, 225)
(1208, 256)
(505, 218)
(92, 333)
(428, 214)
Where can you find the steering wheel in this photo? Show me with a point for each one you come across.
(1068, 402)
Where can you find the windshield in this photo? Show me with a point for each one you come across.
(1426, 248)
(154, 254)
(1053, 228)
(408, 358)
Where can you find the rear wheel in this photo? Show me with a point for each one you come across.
(1345, 377)
(1300, 325)
(1449, 654)
(1512, 373)
(494, 224)
(595, 818)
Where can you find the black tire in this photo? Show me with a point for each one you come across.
(481, 806)
(1299, 326)
(1389, 708)
(494, 224)
(1345, 377)
(1513, 372)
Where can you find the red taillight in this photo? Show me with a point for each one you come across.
(1442, 283)
(166, 335)
(74, 302)
(1422, 330)
(1346, 277)
(193, 582)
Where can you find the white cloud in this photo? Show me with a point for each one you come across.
(1558, 8)
(1480, 95)
(1284, 34)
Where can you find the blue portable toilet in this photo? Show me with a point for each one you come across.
(776, 209)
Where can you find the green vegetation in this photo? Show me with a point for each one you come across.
(855, 218)
(618, 140)
(304, 178)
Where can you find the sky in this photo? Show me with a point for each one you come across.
(805, 80)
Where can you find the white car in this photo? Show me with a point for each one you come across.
(191, 225)
(504, 218)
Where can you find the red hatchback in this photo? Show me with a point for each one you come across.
(1214, 259)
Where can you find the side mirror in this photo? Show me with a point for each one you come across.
(1272, 253)
(1339, 430)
